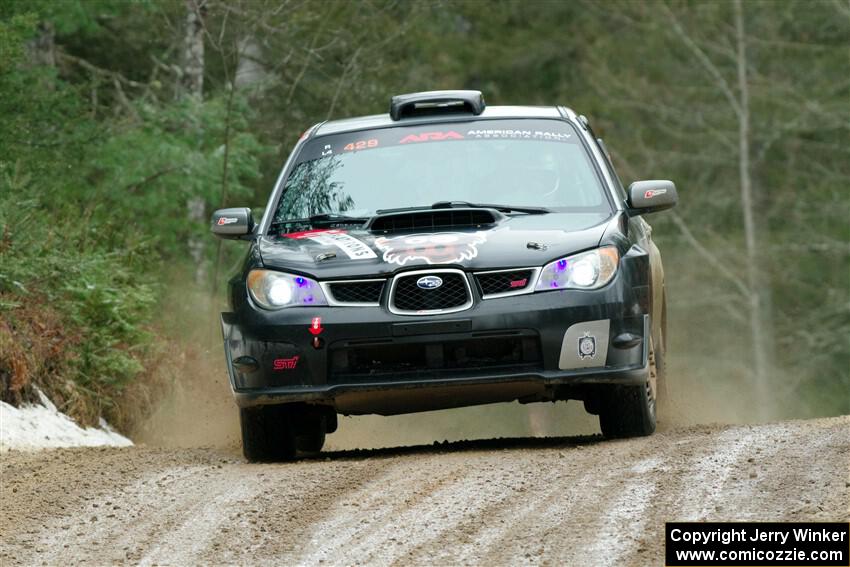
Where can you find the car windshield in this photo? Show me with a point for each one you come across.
(521, 162)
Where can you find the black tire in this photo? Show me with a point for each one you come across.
(661, 387)
(311, 434)
(267, 434)
(631, 411)
(593, 403)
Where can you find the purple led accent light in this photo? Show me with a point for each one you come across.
(561, 265)
(301, 282)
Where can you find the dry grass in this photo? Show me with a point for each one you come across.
(180, 393)
(34, 350)
(38, 349)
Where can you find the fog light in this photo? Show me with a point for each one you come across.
(245, 365)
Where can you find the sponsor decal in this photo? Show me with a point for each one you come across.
(361, 145)
(429, 282)
(315, 232)
(327, 150)
(431, 137)
(438, 248)
(519, 283)
(280, 364)
(353, 248)
(227, 220)
(653, 193)
(508, 134)
(587, 346)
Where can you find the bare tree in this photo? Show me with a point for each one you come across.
(42, 48)
(739, 103)
(757, 285)
(738, 99)
(192, 83)
(192, 54)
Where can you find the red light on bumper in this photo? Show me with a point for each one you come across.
(316, 326)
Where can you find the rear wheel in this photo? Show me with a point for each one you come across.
(267, 434)
(630, 411)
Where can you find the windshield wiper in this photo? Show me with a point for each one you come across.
(321, 220)
(501, 208)
(467, 204)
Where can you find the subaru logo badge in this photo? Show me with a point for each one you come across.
(429, 282)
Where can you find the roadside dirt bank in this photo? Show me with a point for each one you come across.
(562, 500)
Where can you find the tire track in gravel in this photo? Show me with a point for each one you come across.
(574, 499)
(518, 502)
(175, 515)
(388, 511)
(180, 541)
(724, 478)
(297, 494)
(588, 501)
(619, 529)
(106, 518)
(496, 519)
(712, 471)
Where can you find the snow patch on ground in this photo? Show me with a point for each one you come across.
(42, 426)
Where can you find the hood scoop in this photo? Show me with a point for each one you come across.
(435, 220)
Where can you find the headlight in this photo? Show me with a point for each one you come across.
(276, 290)
(588, 270)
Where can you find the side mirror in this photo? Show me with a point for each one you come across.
(232, 223)
(651, 196)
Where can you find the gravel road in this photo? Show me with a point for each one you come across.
(555, 501)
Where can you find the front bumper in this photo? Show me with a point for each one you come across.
(529, 345)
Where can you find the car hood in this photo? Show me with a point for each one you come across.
(519, 241)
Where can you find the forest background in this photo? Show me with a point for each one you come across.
(123, 124)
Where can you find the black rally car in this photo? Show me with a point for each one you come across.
(444, 255)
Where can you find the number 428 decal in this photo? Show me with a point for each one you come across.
(361, 145)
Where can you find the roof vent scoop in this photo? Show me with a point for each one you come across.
(434, 220)
(436, 102)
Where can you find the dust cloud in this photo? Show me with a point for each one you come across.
(193, 405)
(196, 409)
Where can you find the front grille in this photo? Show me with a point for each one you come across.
(452, 356)
(504, 282)
(452, 294)
(357, 292)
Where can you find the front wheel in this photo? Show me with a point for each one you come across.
(310, 432)
(267, 434)
(630, 411)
